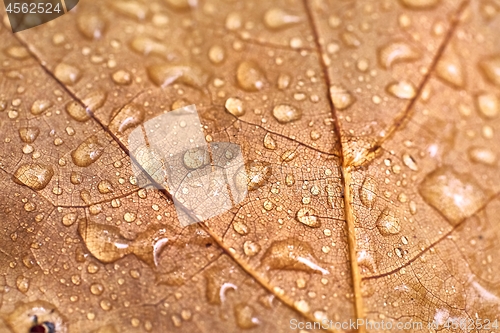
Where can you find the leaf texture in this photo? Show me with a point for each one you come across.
(370, 126)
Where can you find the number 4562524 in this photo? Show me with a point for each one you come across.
(33, 8)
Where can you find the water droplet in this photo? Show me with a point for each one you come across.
(216, 54)
(397, 52)
(17, 52)
(420, 4)
(132, 9)
(307, 216)
(105, 187)
(482, 155)
(292, 254)
(350, 39)
(285, 113)
(251, 248)
(96, 289)
(40, 106)
(92, 26)
(34, 175)
(87, 152)
(490, 68)
(122, 77)
(76, 178)
(277, 18)
(284, 81)
(240, 228)
(245, 317)
(29, 134)
(146, 46)
(182, 4)
(105, 304)
(269, 142)
(302, 306)
(94, 100)
(451, 71)
(250, 76)
(488, 105)
(234, 106)
(256, 176)
(77, 112)
(368, 192)
(128, 117)
(67, 74)
(410, 162)
(233, 21)
(22, 284)
(388, 224)
(289, 180)
(69, 219)
(288, 155)
(195, 158)
(165, 75)
(341, 98)
(455, 195)
(402, 89)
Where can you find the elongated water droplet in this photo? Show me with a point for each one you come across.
(277, 18)
(490, 68)
(245, 316)
(255, 176)
(182, 4)
(307, 216)
(34, 175)
(388, 224)
(29, 134)
(250, 76)
(269, 142)
(87, 152)
(488, 105)
(94, 100)
(285, 113)
(128, 117)
(402, 90)
(22, 284)
(410, 162)
(92, 26)
(350, 39)
(105, 187)
(132, 9)
(77, 112)
(234, 106)
(122, 77)
(455, 195)
(451, 71)
(397, 52)
(40, 106)
(368, 192)
(165, 75)
(420, 4)
(482, 155)
(341, 98)
(67, 74)
(146, 45)
(292, 254)
(17, 52)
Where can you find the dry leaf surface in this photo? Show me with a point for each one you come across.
(370, 129)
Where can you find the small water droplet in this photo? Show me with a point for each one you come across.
(29, 134)
(77, 112)
(128, 117)
(251, 248)
(289, 180)
(234, 106)
(482, 155)
(341, 98)
(284, 81)
(455, 195)
(22, 284)
(420, 4)
(96, 289)
(269, 142)
(302, 306)
(388, 224)
(245, 316)
(67, 74)
(76, 178)
(368, 192)
(69, 219)
(105, 187)
(488, 105)
(216, 54)
(91, 25)
(490, 68)
(256, 175)
(451, 71)
(34, 175)
(307, 216)
(288, 155)
(397, 52)
(277, 18)
(285, 113)
(240, 228)
(250, 76)
(40, 106)
(350, 39)
(402, 90)
(233, 21)
(410, 162)
(87, 152)
(146, 46)
(122, 77)
(165, 75)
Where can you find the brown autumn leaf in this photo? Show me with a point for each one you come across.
(370, 126)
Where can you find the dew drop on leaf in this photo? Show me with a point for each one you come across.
(490, 68)
(450, 70)
(488, 105)
(368, 192)
(341, 98)
(285, 113)
(122, 77)
(250, 76)
(34, 175)
(420, 4)
(256, 175)
(234, 106)
(132, 9)
(251, 248)
(128, 117)
(277, 18)
(195, 158)
(29, 134)
(69, 219)
(387, 223)
(245, 316)
(397, 52)
(105, 187)
(216, 54)
(402, 90)
(22, 284)
(67, 74)
(92, 26)
(307, 216)
(77, 112)
(40, 106)
(482, 155)
(269, 142)
(165, 75)
(87, 152)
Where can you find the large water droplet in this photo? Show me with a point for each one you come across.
(256, 175)
(307, 216)
(488, 105)
(292, 254)
(69, 219)
(77, 112)
(490, 68)
(482, 155)
(455, 195)
(132, 9)
(250, 76)
(91, 25)
(420, 4)
(402, 90)
(34, 175)
(40, 106)
(105, 187)
(397, 52)
(87, 152)
(165, 75)
(277, 18)
(368, 192)
(251, 248)
(22, 284)
(17, 52)
(67, 74)
(245, 316)
(285, 113)
(29, 134)
(94, 100)
(451, 71)
(269, 142)
(388, 224)
(128, 117)
(234, 106)
(341, 98)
